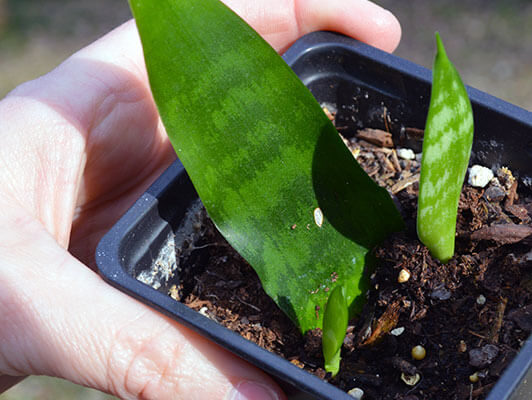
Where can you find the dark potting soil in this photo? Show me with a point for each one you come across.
(471, 315)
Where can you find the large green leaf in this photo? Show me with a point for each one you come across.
(262, 155)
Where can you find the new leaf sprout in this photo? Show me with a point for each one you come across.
(334, 327)
(446, 150)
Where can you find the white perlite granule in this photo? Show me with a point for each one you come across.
(479, 176)
(406, 154)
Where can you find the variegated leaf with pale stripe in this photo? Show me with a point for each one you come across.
(446, 151)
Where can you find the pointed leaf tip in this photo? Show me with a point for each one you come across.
(439, 45)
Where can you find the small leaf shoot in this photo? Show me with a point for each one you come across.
(334, 327)
(446, 151)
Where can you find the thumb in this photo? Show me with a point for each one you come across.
(59, 318)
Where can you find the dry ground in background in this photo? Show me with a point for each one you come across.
(489, 42)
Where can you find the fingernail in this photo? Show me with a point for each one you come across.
(249, 390)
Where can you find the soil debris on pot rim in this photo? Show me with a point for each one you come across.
(471, 315)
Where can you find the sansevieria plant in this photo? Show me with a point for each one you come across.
(269, 166)
(446, 151)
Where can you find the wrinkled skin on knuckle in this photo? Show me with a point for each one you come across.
(153, 358)
(145, 365)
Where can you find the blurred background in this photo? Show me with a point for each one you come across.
(490, 42)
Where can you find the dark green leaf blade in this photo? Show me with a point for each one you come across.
(263, 157)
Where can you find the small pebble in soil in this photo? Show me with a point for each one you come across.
(397, 331)
(506, 177)
(495, 193)
(406, 154)
(481, 300)
(479, 176)
(473, 378)
(483, 356)
(418, 352)
(356, 393)
(173, 292)
(404, 366)
(440, 293)
(410, 380)
(522, 317)
(462, 346)
(404, 276)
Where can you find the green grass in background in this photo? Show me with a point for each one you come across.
(490, 44)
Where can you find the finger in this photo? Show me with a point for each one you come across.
(99, 139)
(59, 318)
(101, 96)
(282, 22)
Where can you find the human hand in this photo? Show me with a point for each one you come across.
(77, 147)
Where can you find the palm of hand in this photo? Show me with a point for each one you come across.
(101, 145)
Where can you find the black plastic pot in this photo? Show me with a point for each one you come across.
(354, 79)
